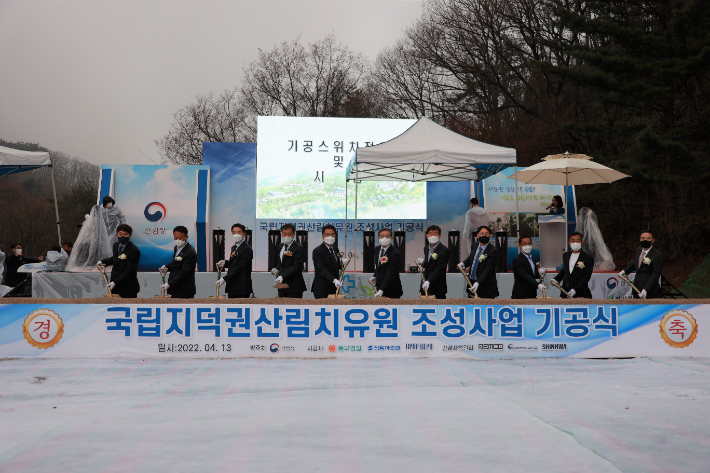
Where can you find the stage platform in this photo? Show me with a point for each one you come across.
(355, 285)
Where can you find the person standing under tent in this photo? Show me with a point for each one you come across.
(386, 277)
(483, 260)
(434, 264)
(181, 282)
(113, 217)
(577, 267)
(289, 268)
(13, 262)
(68, 247)
(327, 263)
(476, 217)
(238, 278)
(525, 272)
(648, 266)
(125, 259)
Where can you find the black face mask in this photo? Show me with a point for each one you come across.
(484, 239)
(123, 240)
(646, 244)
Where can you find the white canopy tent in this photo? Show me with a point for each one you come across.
(13, 161)
(427, 151)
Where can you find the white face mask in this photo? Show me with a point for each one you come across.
(527, 249)
(385, 241)
(18, 252)
(329, 240)
(180, 243)
(287, 240)
(575, 246)
(238, 237)
(109, 205)
(433, 239)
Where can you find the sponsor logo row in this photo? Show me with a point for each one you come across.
(414, 348)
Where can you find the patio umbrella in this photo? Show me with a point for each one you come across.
(568, 170)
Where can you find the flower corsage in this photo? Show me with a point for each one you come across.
(383, 260)
(482, 258)
(434, 255)
(580, 265)
(121, 256)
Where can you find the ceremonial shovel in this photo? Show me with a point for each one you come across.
(426, 291)
(373, 285)
(337, 294)
(557, 285)
(632, 285)
(220, 267)
(544, 291)
(279, 285)
(475, 294)
(102, 268)
(163, 272)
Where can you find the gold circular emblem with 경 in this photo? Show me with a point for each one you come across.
(678, 328)
(43, 328)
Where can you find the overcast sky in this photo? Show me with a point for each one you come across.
(100, 79)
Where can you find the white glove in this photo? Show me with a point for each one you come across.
(111, 285)
(420, 260)
(643, 293)
(542, 272)
(378, 293)
(571, 292)
(345, 261)
(98, 263)
(165, 286)
(373, 280)
(541, 287)
(336, 282)
(274, 271)
(221, 262)
(163, 267)
(425, 285)
(475, 286)
(622, 274)
(220, 282)
(280, 279)
(461, 265)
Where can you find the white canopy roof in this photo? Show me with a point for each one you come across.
(428, 151)
(16, 160)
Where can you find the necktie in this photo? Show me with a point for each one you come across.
(283, 254)
(120, 249)
(332, 252)
(641, 257)
(474, 267)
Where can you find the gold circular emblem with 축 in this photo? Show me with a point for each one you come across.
(678, 328)
(43, 328)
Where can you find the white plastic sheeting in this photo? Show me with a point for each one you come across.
(416, 415)
(593, 241)
(113, 217)
(91, 245)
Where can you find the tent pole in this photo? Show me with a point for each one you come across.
(355, 229)
(517, 213)
(566, 210)
(56, 207)
(346, 216)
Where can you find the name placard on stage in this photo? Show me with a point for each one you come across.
(322, 331)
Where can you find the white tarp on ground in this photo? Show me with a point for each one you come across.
(429, 152)
(355, 415)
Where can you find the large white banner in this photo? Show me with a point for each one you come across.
(301, 164)
(322, 331)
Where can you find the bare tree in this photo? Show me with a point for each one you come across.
(312, 81)
(210, 118)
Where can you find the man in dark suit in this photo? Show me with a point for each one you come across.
(181, 282)
(125, 259)
(327, 264)
(289, 268)
(577, 267)
(238, 278)
(525, 272)
(483, 260)
(13, 263)
(648, 266)
(434, 264)
(386, 276)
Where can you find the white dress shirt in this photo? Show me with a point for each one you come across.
(573, 260)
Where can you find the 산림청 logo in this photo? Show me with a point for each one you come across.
(152, 212)
(43, 328)
(678, 328)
